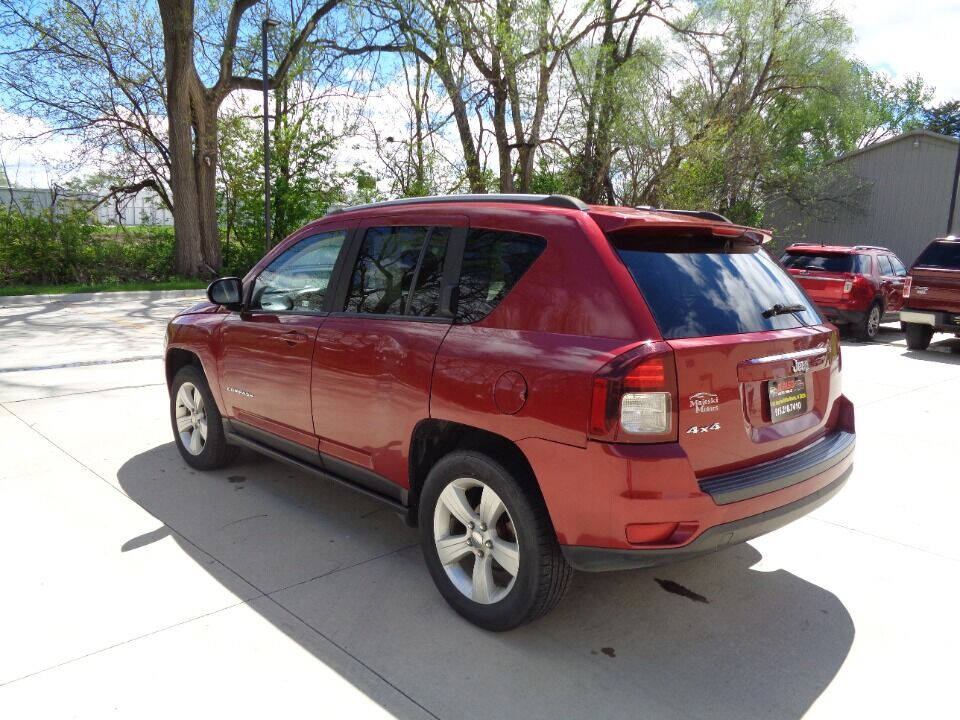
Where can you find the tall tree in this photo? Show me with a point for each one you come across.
(108, 71)
(943, 118)
(192, 108)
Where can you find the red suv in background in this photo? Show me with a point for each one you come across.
(538, 384)
(855, 287)
(932, 293)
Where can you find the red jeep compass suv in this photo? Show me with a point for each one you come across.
(536, 383)
(855, 287)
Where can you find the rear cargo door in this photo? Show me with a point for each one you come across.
(823, 275)
(756, 367)
(935, 289)
(751, 397)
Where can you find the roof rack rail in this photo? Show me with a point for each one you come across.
(871, 247)
(560, 201)
(703, 214)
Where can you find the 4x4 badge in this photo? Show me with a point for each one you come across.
(704, 402)
(696, 429)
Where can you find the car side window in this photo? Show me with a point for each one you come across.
(493, 262)
(297, 279)
(886, 269)
(898, 269)
(383, 276)
(425, 298)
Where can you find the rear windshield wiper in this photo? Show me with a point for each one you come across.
(779, 309)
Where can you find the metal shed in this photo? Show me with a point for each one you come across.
(903, 201)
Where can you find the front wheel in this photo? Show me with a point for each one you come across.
(489, 544)
(197, 425)
(918, 336)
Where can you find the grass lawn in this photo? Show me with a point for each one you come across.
(102, 287)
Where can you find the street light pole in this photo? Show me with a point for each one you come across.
(267, 24)
(953, 193)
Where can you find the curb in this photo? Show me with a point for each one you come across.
(20, 300)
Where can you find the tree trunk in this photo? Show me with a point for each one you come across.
(500, 133)
(470, 156)
(192, 122)
(206, 142)
(177, 19)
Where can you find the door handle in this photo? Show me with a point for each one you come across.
(293, 337)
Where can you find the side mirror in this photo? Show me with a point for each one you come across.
(227, 292)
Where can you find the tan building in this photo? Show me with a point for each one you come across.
(901, 199)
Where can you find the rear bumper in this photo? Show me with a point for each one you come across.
(593, 559)
(842, 316)
(938, 320)
(629, 505)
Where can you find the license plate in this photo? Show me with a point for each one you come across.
(788, 397)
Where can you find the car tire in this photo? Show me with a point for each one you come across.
(461, 492)
(197, 423)
(867, 328)
(918, 336)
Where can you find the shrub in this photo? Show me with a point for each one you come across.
(64, 247)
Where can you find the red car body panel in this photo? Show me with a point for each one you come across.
(735, 368)
(649, 484)
(942, 289)
(269, 356)
(353, 388)
(371, 386)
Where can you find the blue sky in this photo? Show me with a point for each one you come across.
(897, 37)
(907, 38)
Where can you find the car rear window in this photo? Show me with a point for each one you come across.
(493, 262)
(713, 291)
(940, 255)
(827, 262)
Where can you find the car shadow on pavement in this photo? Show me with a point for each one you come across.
(942, 351)
(343, 577)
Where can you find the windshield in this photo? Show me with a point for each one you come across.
(695, 294)
(941, 255)
(827, 262)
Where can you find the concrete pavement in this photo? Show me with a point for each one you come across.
(136, 587)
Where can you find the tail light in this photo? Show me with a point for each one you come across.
(907, 286)
(834, 352)
(857, 285)
(635, 397)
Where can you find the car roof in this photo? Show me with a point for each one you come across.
(608, 218)
(836, 249)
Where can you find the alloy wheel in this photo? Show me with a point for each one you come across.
(476, 540)
(873, 321)
(191, 418)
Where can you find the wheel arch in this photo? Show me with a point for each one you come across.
(178, 358)
(432, 439)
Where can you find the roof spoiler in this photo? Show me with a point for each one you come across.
(702, 214)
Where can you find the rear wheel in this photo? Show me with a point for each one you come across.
(869, 326)
(918, 336)
(489, 544)
(196, 421)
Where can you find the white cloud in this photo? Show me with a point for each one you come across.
(34, 163)
(908, 38)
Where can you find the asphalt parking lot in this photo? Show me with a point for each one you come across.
(136, 587)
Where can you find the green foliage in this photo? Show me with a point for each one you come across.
(554, 178)
(175, 284)
(64, 247)
(758, 114)
(303, 181)
(943, 118)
